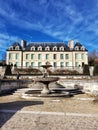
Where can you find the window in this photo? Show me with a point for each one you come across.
(39, 64)
(55, 64)
(54, 56)
(61, 48)
(27, 64)
(39, 56)
(66, 56)
(40, 48)
(47, 48)
(32, 56)
(82, 56)
(76, 64)
(17, 48)
(77, 48)
(17, 64)
(83, 48)
(17, 56)
(27, 56)
(32, 64)
(10, 56)
(54, 48)
(67, 64)
(61, 56)
(47, 56)
(76, 56)
(11, 48)
(61, 64)
(33, 48)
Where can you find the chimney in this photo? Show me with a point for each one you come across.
(71, 44)
(23, 44)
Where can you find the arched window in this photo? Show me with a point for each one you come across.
(11, 48)
(17, 48)
(55, 48)
(39, 48)
(61, 48)
(83, 48)
(77, 48)
(33, 48)
(47, 48)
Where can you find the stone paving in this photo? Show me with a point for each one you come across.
(48, 114)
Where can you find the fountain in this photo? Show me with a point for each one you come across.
(46, 80)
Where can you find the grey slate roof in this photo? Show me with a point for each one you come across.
(16, 44)
(79, 45)
(45, 44)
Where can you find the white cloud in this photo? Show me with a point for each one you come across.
(6, 40)
(57, 18)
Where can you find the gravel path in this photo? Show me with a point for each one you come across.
(47, 121)
(48, 114)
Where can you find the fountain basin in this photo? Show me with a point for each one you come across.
(46, 66)
(46, 81)
(38, 93)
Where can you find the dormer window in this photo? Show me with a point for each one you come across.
(77, 48)
(61, 48)
(33, 48)
(47, 48)
(17, 48)
(11, 48)
(40, 48)
(83, 48)
(55, 48)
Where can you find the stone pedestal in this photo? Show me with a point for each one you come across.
(45, 90)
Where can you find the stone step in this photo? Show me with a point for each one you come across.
(19, 92)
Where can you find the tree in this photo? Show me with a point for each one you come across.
(91, 56)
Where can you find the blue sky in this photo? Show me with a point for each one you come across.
(49, 20)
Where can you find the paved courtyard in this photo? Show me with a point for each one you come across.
(76, 113)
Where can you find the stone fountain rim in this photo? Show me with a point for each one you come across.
(47, 79)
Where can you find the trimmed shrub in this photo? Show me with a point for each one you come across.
(96, 70)
(86, 70)
(27, 71)
(8, 70)
(65, 71)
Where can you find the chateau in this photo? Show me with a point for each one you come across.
(37, 53)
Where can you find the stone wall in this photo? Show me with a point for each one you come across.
(89, 86)
(10, 85)
(2, 70)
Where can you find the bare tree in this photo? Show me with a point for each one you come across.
(91, 56)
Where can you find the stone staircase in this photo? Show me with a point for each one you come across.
(20, 92)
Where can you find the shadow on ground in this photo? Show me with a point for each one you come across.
(15, 106)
